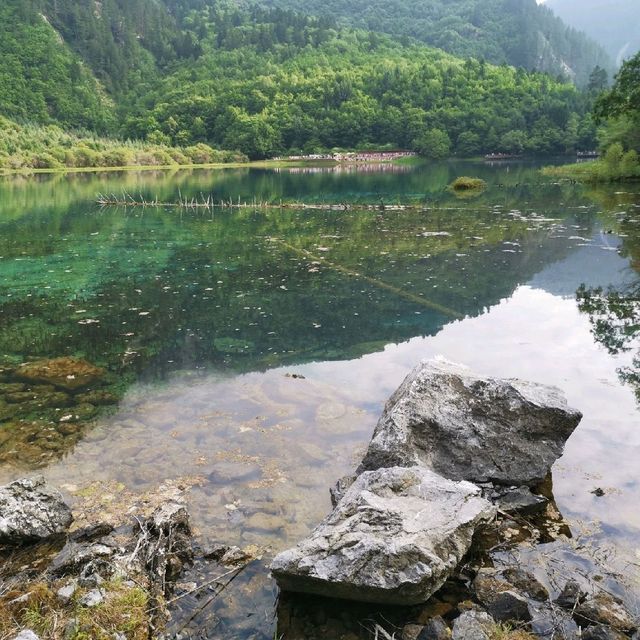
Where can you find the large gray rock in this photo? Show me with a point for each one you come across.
(473, 625)
(31, 510)
(467, 427)
(395, 537)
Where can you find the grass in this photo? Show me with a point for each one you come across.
(617, 165)
(506, 632)
(37, 148)
(125, 610)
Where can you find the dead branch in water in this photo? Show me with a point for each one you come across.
(127, 200)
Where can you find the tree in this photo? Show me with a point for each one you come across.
(433, 143)
(598, 80)
(624, 97)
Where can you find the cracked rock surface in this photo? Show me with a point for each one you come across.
(394, 537)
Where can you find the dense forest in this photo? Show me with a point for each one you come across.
(267, 81)
(619, 33)
(617, 112)
(516, 32)
(271, 81)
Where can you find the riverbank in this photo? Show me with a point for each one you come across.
(481, 564)
(617, 165)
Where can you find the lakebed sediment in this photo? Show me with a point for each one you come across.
(200, 400)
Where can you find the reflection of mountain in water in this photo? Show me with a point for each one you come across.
(147, 292)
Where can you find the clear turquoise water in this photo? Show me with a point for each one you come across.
(198, 316)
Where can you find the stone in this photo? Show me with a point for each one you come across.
(31, 510)
(499, 599)
(552, 623)
(64, 594)
(571, 595)
(340, 488)
(75, 555)
(26, 634)
(467, 427)
(520, 500)
(435, 629)
(69, 374)
(165, 544)
(394, 538)
(602, 632)
(605, 609)
(472, 625)
(92, 598)
(97, 398)
(526, 583)
(411, 631)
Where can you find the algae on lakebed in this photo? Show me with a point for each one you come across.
(198, 317)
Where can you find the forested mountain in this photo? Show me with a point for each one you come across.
(40, 77)
(268, 81)
(615, 24)
(517, 32)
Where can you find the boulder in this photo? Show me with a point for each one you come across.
(435, 629)
(31, 510)
(602, 632)
(395, 537)
(69, 374)
(468, 427)
(473, 625)
(27, 634)
(605, 609)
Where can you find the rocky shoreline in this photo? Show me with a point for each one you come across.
(448, 526)
(455, 456)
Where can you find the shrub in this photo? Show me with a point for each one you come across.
(465, 183)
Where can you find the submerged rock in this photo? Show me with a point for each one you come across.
(31, 510)
(395, 537)
(69, 374)
(467, 427)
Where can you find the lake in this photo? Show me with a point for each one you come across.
(251, 350)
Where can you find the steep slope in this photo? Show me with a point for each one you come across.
(123, 41)
(271, 81)
(40, 77)
(615, 24)
(517, 32)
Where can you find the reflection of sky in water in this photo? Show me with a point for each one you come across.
(267, 446)
(304, 434)
(596, 262)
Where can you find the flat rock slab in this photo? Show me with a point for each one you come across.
(30, 510)
(395, 537)
(468, 427)
(70, 374)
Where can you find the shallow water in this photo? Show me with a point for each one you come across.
(199, 317)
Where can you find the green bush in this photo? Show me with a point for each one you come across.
(464, 183)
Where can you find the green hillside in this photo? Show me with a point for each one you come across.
(270, 81)
(40, 77)
(267, 81)
(516, 32)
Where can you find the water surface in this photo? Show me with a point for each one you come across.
(201, 318)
